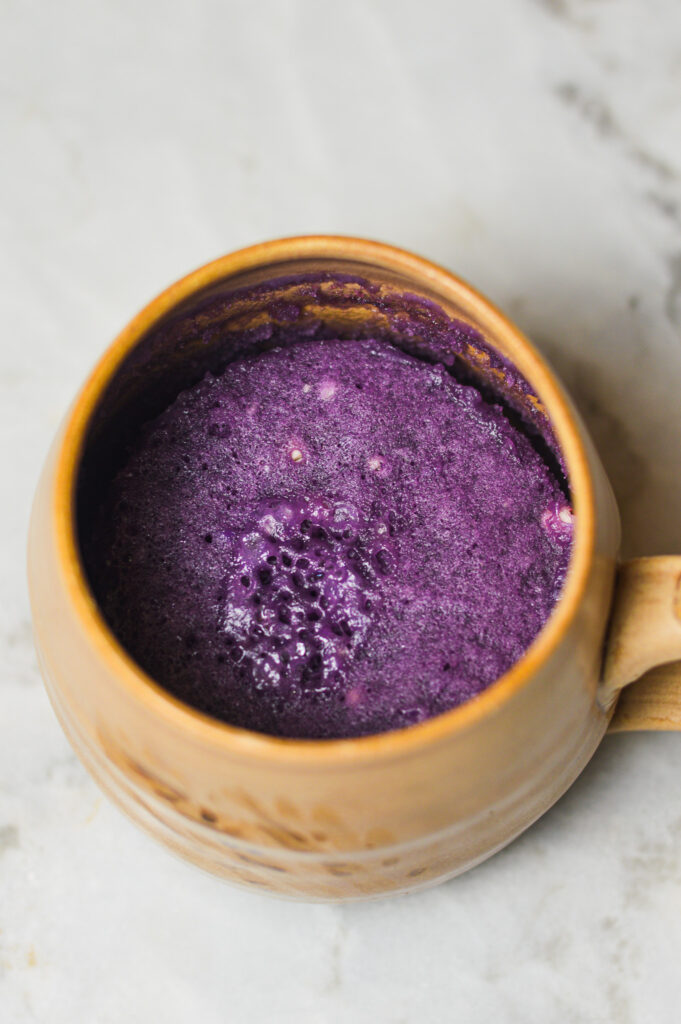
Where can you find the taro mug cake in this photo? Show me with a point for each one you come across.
(330, 538)
(324, 580)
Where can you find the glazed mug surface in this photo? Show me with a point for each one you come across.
(353, 818)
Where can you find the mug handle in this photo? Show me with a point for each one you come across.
(644, 645)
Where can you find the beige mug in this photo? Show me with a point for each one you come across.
(354, 818)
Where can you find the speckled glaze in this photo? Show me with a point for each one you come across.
(326, 819)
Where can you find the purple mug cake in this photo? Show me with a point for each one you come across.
(330, 537)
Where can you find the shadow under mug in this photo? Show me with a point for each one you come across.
(354, 818)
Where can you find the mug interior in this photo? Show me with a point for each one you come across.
(266, 297)
(270, 307)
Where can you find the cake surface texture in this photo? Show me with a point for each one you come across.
(330, 540)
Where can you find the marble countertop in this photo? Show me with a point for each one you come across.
(535, 148)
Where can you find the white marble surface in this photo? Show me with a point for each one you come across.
(534, 147)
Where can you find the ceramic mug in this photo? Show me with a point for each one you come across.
(352, 818)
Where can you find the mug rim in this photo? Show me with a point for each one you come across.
(245, 742)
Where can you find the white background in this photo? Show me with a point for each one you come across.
(533, 146)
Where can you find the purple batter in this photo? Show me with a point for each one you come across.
(330, 540)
